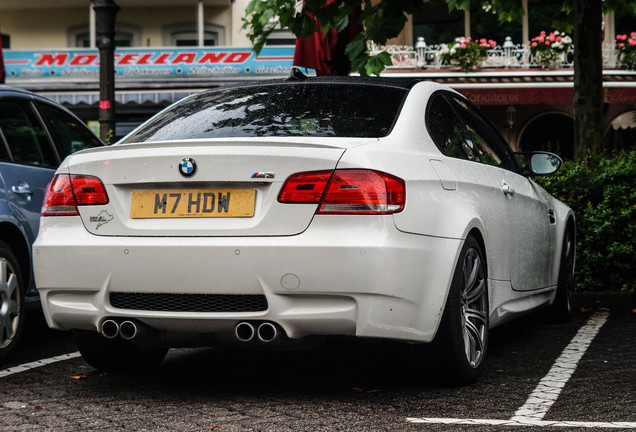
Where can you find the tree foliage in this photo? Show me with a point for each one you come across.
(602, 196)
(381, 21)
(384, 19)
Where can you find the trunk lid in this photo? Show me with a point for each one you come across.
(233, 191)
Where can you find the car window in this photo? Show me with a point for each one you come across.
(289, 109)
(481, 141)
(445, 128)
(27, 139)
(4, 151)
(70, 133)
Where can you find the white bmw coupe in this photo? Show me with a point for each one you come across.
(279, 213)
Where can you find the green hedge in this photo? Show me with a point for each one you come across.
(603, 197)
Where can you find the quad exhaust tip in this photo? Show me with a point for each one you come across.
(128, 330)
(110, 329)
(244, 331)
(265, 332)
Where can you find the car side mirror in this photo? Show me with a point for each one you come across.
(541, 163)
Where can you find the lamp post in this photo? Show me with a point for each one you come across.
(508, 46)
(420, 49)
(105, 12)
(511, 116)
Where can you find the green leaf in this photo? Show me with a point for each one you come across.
(356, 47)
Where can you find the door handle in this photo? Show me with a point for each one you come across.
(507, 189)
(22, 189)
(551, 216)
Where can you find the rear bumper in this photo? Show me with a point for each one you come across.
(360, 278)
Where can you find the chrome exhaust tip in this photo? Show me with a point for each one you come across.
(109, 329)
(244, 331)
(128, 330)
(267, 332)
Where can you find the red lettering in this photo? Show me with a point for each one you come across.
(83, 59)
(237, 57)
(144, 59)
(48, 59)
(211, 57)
(162, 58)
(127, 59)
(187, 58)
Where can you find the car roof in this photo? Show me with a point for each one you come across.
(297, 77)
(14, 90)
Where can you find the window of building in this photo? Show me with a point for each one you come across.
(542, 14)
(624, 20)
(281, 37)
(484, 23)
(436, 25)
(186, 34)
(6, 41)
(553, 132)
(126, 35)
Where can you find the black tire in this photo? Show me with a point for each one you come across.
(117, 355)
(562, 309)
(12, 308)
(459, 348)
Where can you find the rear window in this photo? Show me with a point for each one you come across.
(288, 109)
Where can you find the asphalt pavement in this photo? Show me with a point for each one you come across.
(341, 386)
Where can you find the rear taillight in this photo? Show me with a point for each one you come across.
(66, 192)
(346, 191)
(305, 187)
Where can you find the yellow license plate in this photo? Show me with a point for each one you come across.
(192, 203)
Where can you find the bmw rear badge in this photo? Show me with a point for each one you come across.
(187, 167)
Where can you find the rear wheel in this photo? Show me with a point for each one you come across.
(459, 348)
(561, 309)
(117, 355)
(11, 301)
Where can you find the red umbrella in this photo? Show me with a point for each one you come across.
(326, 52)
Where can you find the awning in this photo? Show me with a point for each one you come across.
(163, 97)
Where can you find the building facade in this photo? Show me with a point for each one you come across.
(168, 49)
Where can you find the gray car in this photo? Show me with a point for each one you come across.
(35, 136)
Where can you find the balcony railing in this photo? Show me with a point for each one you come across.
(510, 56)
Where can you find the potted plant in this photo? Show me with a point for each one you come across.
(626, 47)
(548, 50)
(467, 53)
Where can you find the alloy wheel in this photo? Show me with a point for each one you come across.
(9, 303)
(474, 308)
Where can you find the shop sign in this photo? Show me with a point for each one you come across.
(138, 63)
(518, 96)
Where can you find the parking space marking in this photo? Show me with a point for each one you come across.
(36, 364)
(549, 388)
(540, 423)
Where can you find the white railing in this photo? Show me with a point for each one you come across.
(509, 55)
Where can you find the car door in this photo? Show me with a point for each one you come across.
(477, 184)
(28, 164)
(529, 228)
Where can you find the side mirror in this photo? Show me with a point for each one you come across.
(541, 163)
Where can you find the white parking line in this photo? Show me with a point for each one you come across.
(540, 423)
(36, 364)
(549, 388)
